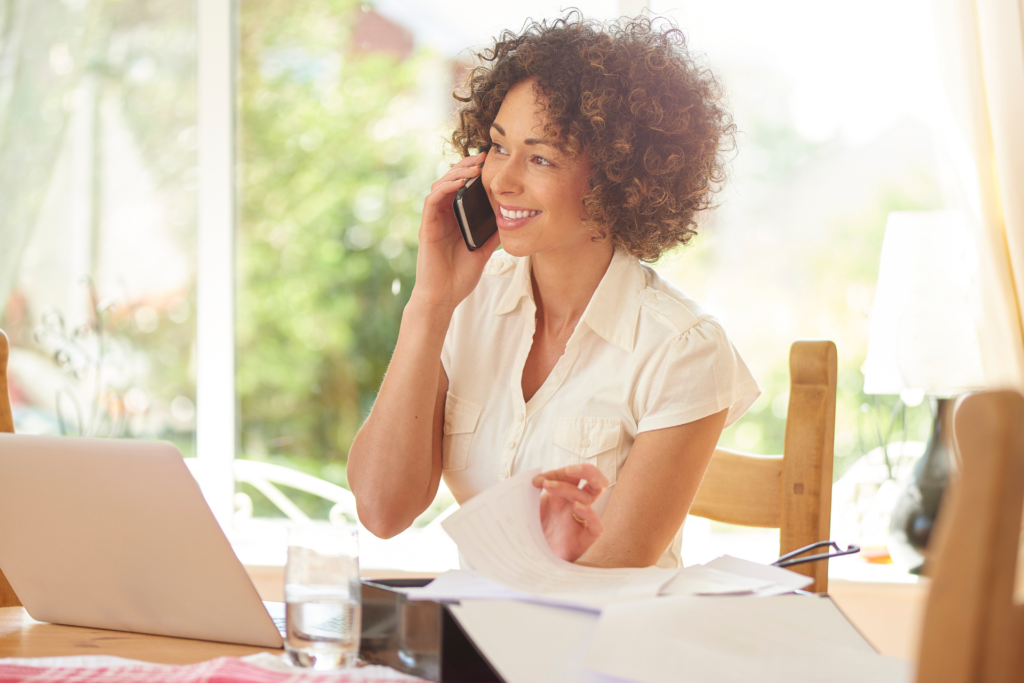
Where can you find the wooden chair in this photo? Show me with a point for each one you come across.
(7, 596)
(973, 632)
(793, 491)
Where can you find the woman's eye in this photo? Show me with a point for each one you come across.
(495, 147)
(541, 161)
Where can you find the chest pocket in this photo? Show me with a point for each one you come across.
(591, 440)
(460, 418)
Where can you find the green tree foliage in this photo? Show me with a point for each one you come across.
(332, 182)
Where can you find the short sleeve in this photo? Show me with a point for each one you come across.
(698, 373)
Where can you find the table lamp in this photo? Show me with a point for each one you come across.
(923, 339)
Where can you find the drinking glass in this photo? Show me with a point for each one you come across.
(323, 608)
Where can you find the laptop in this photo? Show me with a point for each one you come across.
(115, 534)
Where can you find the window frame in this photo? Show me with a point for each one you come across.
(216, 412)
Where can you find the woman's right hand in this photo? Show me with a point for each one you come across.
(447, 271)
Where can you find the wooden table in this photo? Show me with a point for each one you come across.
(887, 614)
(22, 636)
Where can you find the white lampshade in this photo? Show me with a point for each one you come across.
(923, 334)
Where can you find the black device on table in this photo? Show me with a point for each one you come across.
(474, 213)
(419, 638)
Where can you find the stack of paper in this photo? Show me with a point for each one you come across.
(499, 533)
(742, 639)
(463, 584)
(733, 576)
(698, 640)
(712, 623)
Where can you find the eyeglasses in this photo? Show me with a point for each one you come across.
(788, 560)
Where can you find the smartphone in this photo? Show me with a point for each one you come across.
(474, 213)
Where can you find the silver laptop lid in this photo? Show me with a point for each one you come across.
(117, 535)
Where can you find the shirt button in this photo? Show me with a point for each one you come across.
(505, 473)
(585, 443)
(519, 417)
(511, 445)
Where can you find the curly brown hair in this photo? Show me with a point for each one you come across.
(629, 94)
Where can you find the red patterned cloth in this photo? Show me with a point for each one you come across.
(221, 670)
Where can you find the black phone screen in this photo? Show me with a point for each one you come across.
(474, 214)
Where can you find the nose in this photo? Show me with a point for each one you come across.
(507, 179)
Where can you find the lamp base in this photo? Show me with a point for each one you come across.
(913, 515)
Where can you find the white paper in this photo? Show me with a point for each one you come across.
(462, 584)
(530, 643)
(703, 580)
(499, 533)
(736, 639)
(732, 576)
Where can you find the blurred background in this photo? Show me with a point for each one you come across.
(341, 114)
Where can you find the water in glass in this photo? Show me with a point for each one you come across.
(323, 626)
(322, 597)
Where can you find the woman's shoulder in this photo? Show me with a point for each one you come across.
(671, 308)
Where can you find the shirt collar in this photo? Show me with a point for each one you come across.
(520, 286)
(613, 309)
(615, 306)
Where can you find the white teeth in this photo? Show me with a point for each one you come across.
(514, 215)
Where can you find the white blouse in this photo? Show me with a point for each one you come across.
(643, 356)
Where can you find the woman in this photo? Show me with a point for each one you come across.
(564, 352)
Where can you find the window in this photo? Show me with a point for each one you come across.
(332, 135)
(97, 217)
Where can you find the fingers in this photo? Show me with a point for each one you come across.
(590, 517)
(570, 492)
(466, 168)
(441, 191)
(457, 173)
(573, 474)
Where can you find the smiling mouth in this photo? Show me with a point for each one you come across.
(514, 215)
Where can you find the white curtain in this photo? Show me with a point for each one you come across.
(981, 55)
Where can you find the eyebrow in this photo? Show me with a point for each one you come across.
(527, 141)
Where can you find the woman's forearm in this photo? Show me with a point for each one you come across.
(654, 492)
(394, 465)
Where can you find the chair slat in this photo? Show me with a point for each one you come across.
(739, 488)
(6, 416)
(807, 471)
(7, 596)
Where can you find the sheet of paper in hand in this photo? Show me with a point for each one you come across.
(499, 533)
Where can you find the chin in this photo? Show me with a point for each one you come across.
(513, 246)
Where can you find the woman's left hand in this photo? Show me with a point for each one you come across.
(570, 523)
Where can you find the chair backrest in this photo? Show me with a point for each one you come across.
(7, 596)
(6, 416)
(973, 632)
(792, 491)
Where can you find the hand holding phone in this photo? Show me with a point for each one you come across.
(474, 213)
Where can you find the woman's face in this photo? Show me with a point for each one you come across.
(535, 190)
